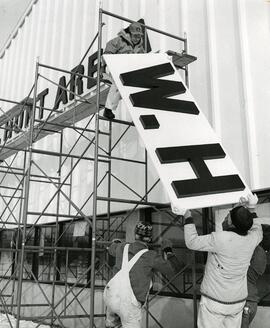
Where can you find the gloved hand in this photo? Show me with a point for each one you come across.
(166, 243)
(252, 200)
(180, 211)
(249, 201)
(166, 246)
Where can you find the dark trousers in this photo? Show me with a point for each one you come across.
(249, 313)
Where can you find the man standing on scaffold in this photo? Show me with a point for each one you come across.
(128, 41)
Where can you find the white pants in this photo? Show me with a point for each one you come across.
(122, 305)
(217, 315)
(117, 311)
(114, 96)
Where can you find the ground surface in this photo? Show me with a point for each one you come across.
(4, 323)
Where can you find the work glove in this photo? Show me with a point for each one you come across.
(250, 201)
(166, 246)
(180, 211)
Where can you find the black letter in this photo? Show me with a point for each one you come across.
(41, 98)
(27, 111)
(8, 130)
(156, 97)
(61, 94)
(76, 80)
(205, 182)
(92, 69)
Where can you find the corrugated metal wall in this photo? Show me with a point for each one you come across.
(230, 79)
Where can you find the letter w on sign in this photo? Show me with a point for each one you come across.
(192, 164)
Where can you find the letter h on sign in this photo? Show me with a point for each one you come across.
(205, 183)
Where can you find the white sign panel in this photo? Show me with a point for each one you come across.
(189, 158)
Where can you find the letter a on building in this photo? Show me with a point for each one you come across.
(188, 156)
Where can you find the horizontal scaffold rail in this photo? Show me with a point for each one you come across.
(71, 114)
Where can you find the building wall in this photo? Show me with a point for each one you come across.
(229, 80)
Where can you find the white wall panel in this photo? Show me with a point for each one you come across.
(15, 58)
(198, 46)
(229, 82)
(3, 69)
(24, 85)
(6, 79)
(230, 79)
(256, 50)
(211, 77)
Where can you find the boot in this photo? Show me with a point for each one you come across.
(108, 114)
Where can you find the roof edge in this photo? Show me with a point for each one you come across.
(16, 28)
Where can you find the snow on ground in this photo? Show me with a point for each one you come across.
(4, 323)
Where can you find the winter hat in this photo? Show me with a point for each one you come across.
(135, 28)
(144, 230)
(242, 219)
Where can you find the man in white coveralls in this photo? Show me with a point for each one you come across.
(126, 292)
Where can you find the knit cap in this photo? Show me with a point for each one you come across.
(242, 218)
(135, 28)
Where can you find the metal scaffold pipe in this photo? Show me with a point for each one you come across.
(95, 186)
(26, 199)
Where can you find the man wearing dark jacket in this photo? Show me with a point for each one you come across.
(128, 41)
(126, 292)
(256, 269)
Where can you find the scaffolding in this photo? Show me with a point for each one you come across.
(19, 161)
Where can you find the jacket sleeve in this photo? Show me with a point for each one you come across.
(256, 231)
(113, 247)
(205, 243)
(168, 267)
(112, 46)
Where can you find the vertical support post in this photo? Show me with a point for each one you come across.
(205, 216)
(35, 254)
(194, 290)
(194, 283)
(147, 313)
(107, 274)
(95, 187)
(146, 199)
(66, 280)
(145, 39)
(56, 242)
(26, 197)
(146, 175)
(70, 184)
(109, 179)
(16, 258)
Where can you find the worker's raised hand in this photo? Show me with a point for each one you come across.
(180, 211)
(252, 200)
(242, 201)
(166, 243)
(249, 201)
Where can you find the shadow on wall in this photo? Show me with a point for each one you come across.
(170, 312)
